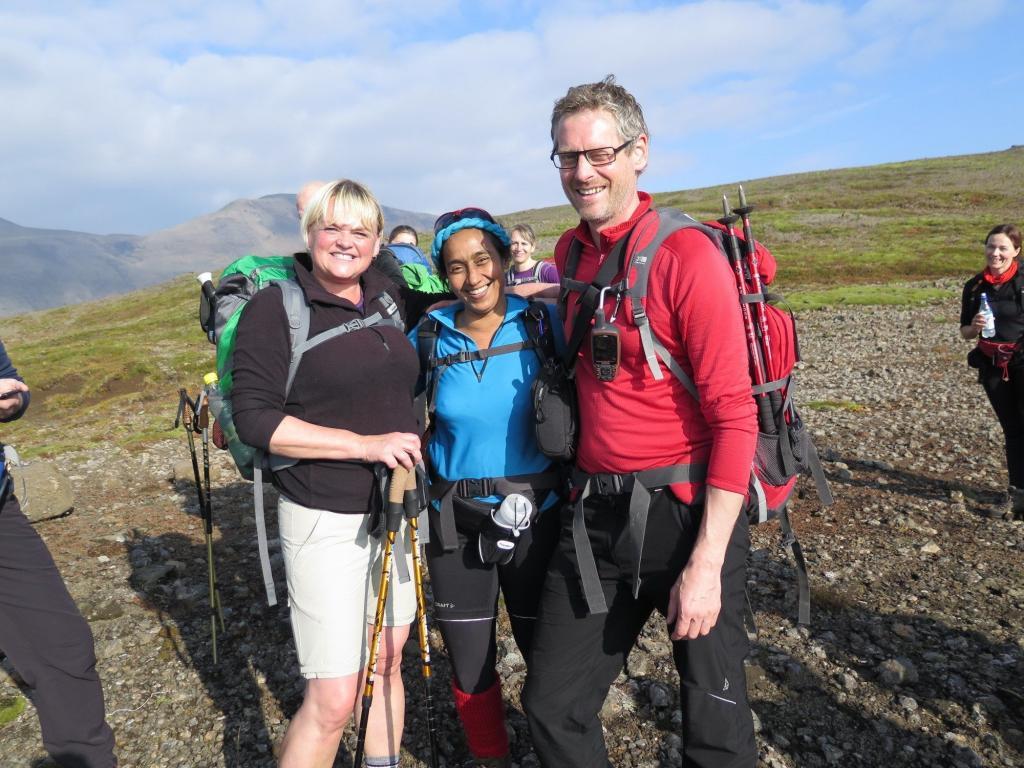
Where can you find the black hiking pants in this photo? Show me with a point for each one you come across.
(51, 647)
(576, 655)
(1007, 399)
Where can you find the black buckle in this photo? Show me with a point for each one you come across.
(610, 485)
(474, 487)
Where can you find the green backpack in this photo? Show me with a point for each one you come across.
(239, 282)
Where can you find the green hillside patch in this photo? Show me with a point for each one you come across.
(106, 370)
(868, 295)
(833, 405)
(10, 708)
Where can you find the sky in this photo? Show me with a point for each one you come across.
(126, 116)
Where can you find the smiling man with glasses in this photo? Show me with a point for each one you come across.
(632, 543)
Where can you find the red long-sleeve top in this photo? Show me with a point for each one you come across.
(636, 422)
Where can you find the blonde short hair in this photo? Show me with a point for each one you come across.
(334, 200)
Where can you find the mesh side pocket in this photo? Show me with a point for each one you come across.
(769, 461)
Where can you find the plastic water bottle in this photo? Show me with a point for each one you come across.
(990, 319)
(514, 513)
(220, 407)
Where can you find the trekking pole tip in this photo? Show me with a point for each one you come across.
(204, 277)
(743, 197)
(725, 205)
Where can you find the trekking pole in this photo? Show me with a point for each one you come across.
(412, 511)
(764, 405)
(774, 397)
(755, 275)
(214, 588)
(393, 514)
(188, 416)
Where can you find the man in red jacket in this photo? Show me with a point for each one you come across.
(687, 559)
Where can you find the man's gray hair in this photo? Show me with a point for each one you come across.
(608, 96)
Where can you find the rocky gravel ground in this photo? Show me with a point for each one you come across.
(914, 655)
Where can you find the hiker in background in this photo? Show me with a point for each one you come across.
(41, 629)
(403, 234)
(998, 355)
(482, 434)
(524, 268)
(305, 194)
(404, 243)
(417, 270)
(687, 560)
(341, 420)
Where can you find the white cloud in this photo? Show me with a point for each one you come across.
(158, 112)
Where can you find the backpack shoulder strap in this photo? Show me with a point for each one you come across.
(537, 270)
(426, 346)
(1018, 289)
(640, 261)
(391, 315)
(568, 279)
(539, 330)
(297, 309)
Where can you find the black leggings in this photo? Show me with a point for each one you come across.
(466, 597)
(1007, 399)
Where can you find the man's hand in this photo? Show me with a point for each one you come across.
(695, 600)
(10, 397)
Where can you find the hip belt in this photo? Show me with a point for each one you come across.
(446, 491)
(1000, 353)
(639, 486)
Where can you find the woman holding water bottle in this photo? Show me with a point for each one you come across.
(992, 311)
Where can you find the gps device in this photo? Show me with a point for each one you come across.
(605, 345)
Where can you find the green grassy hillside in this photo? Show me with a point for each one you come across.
(110, 370)
(916, 220)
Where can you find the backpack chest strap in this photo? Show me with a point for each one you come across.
(639, 486)
(472, 355)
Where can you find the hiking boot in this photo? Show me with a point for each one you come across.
(1003, 509)
(1016, 503)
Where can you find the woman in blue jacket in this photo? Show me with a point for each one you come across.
(494, 522)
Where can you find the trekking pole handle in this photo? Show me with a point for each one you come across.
(206, 281)
(410, 499)
(396, 497)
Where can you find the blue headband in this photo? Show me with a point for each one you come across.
(487, 226)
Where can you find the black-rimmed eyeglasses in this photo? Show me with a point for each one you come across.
(596, 157)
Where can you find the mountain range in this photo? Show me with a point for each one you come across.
(44, 268)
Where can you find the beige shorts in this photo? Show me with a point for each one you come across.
(333, 567)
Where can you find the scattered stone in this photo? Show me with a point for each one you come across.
(43, 491)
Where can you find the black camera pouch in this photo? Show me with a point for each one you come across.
(555, 412)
